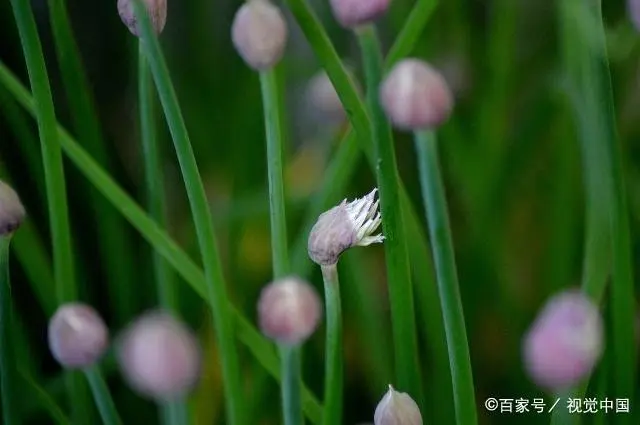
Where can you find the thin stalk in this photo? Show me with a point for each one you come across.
(442, 246)
(7, 356)
(333, 353)
(290, 356)
(44, 399)
(102, 396)
(115, 250)
(397, 257)
(66, 289)
(172, 413)
(216, 292)
(259, 347)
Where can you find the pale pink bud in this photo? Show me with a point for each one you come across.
(159, 357)
(259, 34)
(156, 9)
(322, 95)
(353, 13)
(565, 341)
(289, 310)
(397, 408)
(78, 336)
(346, 225)
(11, 210)
(633, 8)
(415, 96)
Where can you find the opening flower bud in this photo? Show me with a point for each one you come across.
(259, 34)
(12, 212)
(346, 225)
(415, 96)
(157, 10)
(289, 310)
(353, 13)
(159, 357)
(397, 408)
(78, 336)
(564, 342)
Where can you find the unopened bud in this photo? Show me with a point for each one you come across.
(156, 9)
(633, 8)
(353, 13)
(289, 310)
(159, 357)
(415, 96)
(11, 210)
(565, 341)
(322, 95)
(78, 336)
(397, 408)
(346, 225)
(259, 34)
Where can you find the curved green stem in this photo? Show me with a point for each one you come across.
(102, 396)
(447, 277)
(216, 292)
(333, 356)
(397, 256)
(7, 357)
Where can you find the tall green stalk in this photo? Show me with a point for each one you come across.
(66, 289)
(216, 291)
(173, 413)
(333, 357)
(102, 396)
(442, 246)
(290, 356)
(397, 257)
(7, 358)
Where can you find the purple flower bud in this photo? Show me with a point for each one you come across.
(289, 310)
(565, 341)
(11, 210)
(397, 408)
(157, 10)
(415, 96)
(259, 34)
(159, 357)
(78, 336)
(353, 13)
(346, 225)
(322, 95)
(633, 8)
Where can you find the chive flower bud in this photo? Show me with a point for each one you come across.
(633, 8)
(343, 226)
(156, 9)
(322, 95)
(78, 336)
(397, 408)
(289, 310)
(415, 96)
(354, 13)
(564, 342)
(12, 212)
(159, 357)
(259, 34)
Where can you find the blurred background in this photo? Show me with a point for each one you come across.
(510, 154)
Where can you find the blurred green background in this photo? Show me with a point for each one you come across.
(510, 153)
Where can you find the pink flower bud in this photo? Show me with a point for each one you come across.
(353, 13)
(289, 310)
(259, 34)
(11, 210)
(78, 336)
(633, 8)
(415, 96)
(397, 408)
(157, 10)
(159, 357)
(325, 101)
(565, 341)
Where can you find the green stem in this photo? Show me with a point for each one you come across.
(291, 366)
(259, 347)
(333, 356)
(66, 289)
(44, 399)
(216, 292)
(7, 357)
(102, 396)
(440, 233)
(175, 412)
(398, 272)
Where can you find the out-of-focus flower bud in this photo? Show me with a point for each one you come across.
(397, 408)
(11, 210)
(157, 10)
(322, 96)
(78, 336)
(353, 13)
